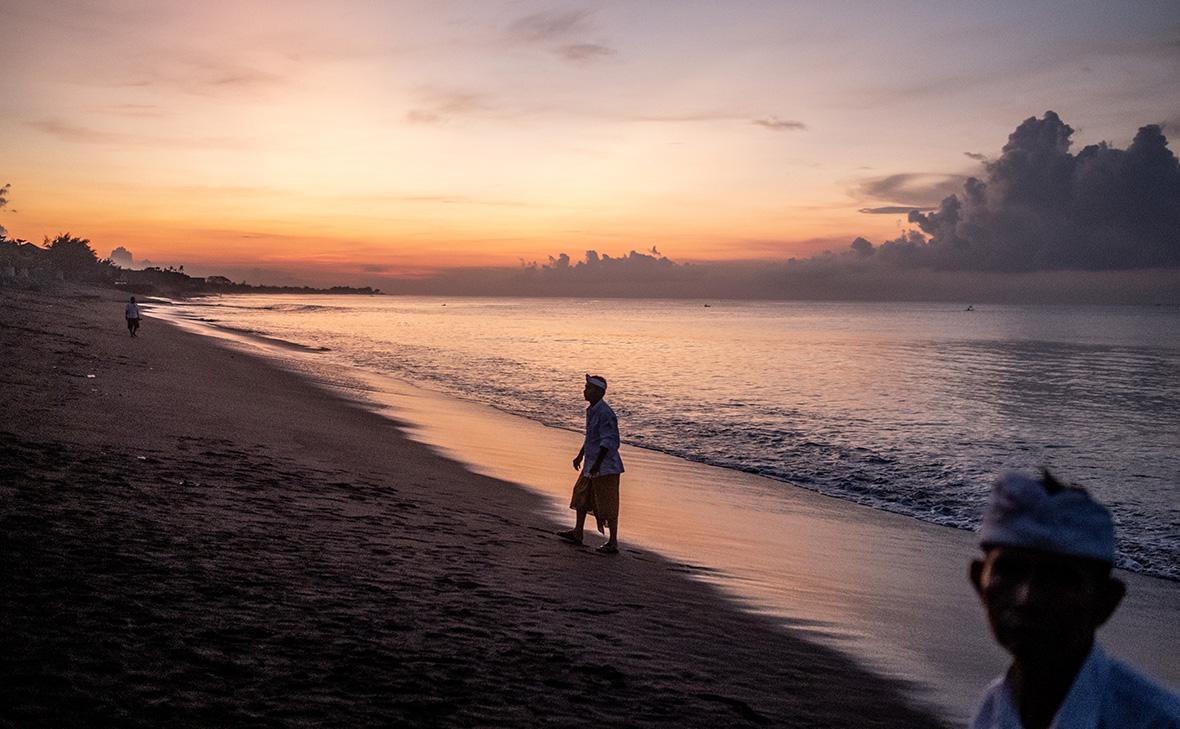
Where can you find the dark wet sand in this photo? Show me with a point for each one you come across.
(193, 537)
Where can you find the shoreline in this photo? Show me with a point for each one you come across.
(862, 580)
(880, 438)
(198, 537)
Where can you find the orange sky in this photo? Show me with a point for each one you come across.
(415, 135)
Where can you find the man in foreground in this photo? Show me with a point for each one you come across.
(1046, 583)
(597, 488)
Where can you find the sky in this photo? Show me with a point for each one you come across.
(360, 142)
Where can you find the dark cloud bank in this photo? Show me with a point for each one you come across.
(1040, 224)
(1039, 207)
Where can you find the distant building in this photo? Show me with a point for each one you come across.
(218, 280)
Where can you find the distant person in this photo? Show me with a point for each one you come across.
(1046, 583)
(597, 488)
(132, 313)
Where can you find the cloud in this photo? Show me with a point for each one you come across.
(678, 118)
(122, 257)
(437, 105)
(143, 111)
(775, 124)
(1040, 207)
(70, 132)
(585, 52)
(857, 275)
(548, 25)
(446, 200)
(441, 105)
(197, 72)
(559, 27)
(910, 189)
(889, 210)
(976, 156)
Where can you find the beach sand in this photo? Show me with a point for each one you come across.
(194, 537)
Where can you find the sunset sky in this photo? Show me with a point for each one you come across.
(401, 137)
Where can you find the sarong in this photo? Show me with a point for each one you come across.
(598, 496)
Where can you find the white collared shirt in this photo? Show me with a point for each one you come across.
(1106, 694)
(602, 429)
(132, 311)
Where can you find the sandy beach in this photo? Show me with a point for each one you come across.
(194, 537)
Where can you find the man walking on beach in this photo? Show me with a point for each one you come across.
(1046, 583)
(597, 488)
(132, 313)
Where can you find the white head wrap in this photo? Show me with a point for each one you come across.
(1021, 512)
(596, 381)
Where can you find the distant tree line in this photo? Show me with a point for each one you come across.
(69, 258)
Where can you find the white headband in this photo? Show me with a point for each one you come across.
(1022, 513)
(596, 381)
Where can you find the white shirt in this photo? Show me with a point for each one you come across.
(602, 429)
(132, 311)
(1106, 694)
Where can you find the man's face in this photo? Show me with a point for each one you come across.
(1040, 604)
(592, 393)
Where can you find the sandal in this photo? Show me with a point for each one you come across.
(608, 548)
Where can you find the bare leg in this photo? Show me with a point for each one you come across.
(575, 535)
(612, 542)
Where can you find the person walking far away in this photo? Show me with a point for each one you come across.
(1045, 581)
(132, 312)
(597, 488)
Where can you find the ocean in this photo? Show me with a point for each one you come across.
(912, 408)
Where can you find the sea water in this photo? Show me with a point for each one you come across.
(904, 407)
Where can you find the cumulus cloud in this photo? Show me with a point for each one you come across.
(122, 257)
(1040, 224)
(1040, 207)
(633, 265)
(857, 275)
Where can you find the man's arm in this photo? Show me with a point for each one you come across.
(578, 458)
(608, 430)
(602, 451)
